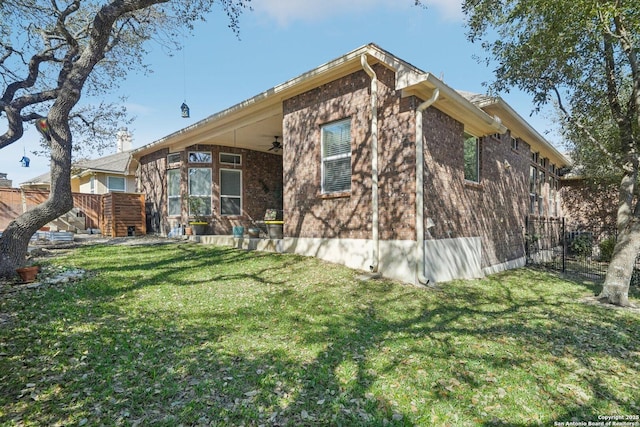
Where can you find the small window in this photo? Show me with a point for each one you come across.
(92, 184)
(199, 157)
(514, 143)
(230, 159)
(471, 158)
(534, 157)
(173, 192)
(336, 157)
(230, 192)
(115, 184)
(173, 158)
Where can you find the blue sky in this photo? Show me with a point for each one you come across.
(279, 40)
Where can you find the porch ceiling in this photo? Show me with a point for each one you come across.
(256, 132)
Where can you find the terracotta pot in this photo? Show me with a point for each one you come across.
(28, 274)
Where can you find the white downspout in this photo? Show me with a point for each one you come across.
(375, 222)
(420, 186)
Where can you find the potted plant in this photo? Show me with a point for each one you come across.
(28, 273)
(197, 210)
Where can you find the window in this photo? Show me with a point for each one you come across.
(199, 157)
(115, 184)
(336, 157)
(533, 197)
(230, 159)
(541, 182)
(552, 197)
(92, 184)
(471, 158)
(173, 158)
(230, 192)
(514, 143)
(200, 187)
(173, 192)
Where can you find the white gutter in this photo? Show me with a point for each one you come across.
(420, 186)
(375, 222)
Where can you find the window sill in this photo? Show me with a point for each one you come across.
(339, 195)
(473, 185)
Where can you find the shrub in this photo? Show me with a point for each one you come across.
(581, 245)
(606, 248)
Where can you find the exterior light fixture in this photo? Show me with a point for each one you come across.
(185, 110)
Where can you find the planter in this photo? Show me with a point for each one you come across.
(254, 232)
(28, 274)
(198, 228)
(238, 231)
(275, 229)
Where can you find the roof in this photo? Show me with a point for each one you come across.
(517, 125)
(114, 163)
(117, 163)
(254, 122)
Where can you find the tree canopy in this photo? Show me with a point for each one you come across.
(580, 55)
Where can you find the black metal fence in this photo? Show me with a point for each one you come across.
(552, 243)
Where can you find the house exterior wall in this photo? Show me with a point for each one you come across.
(492, 211)
(311, 214)
(261, 187)
(82, 184)
(588, 205)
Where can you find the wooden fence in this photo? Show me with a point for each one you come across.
(124, 210)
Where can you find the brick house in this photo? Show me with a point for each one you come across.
(383, 167)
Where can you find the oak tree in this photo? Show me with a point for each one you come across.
(53, 51)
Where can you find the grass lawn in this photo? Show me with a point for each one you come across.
(185, 334)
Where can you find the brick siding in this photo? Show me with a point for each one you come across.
(261, 185)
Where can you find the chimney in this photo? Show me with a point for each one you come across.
(4, 182)
(123, 139)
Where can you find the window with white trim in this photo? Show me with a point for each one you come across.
(200, 187)
(116, 184)
(230, 192)
(230, 159)
(174, 201)
(173, 158)
(533, 194)
(199, 156)
(336, 156)
(471, 158)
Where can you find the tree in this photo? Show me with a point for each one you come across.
(581, 55)
(53, 51)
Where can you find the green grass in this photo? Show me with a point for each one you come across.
(185, 334)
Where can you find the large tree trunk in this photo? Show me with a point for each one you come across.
(14, 242)
(620, 271)
(616, 285)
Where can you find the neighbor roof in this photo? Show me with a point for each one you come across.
(117, 163)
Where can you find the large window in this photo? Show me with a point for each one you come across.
(230, 192)
(116, 183)
(471, 158)
(200, 187)
(173, 192)
(336, 157)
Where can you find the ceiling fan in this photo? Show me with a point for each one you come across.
(275, 145)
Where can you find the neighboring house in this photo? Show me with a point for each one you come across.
(112, 173)
(4, 181)
(383, 167)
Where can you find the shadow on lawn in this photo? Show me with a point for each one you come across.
(303, 355)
